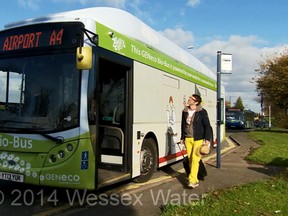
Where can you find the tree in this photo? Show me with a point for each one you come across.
(272, 81)
(239, 103)
(272, 84)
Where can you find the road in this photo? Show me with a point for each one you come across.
(21, 199)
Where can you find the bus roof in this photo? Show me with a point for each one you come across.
(127, 24)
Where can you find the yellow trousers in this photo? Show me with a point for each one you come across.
(193, 153)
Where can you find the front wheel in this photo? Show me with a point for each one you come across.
(148, 163)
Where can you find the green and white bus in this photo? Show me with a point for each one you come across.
(93, 97)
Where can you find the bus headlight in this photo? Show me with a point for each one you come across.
(69, 147)
(53, 158)
(61, 154)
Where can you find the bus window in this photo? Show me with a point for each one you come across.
(112, 94)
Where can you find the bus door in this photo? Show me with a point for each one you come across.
(114, 162)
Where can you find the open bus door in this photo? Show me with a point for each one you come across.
(113, 150)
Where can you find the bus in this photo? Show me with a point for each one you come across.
(239, 118)
(92, 97)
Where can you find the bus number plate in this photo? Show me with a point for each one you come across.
(11, 177)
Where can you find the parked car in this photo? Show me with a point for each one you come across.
(261, 123)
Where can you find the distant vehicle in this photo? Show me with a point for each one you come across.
(261, 123)
(238, 118)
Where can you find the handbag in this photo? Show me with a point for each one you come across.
(186, 165)
(185, 161)
(202, 172)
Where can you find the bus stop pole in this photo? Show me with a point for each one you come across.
(218, 109)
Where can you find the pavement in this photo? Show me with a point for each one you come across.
(234, 170)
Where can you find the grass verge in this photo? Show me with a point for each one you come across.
(268, 197)
(274, 148)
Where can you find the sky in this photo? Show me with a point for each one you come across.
(250, 30)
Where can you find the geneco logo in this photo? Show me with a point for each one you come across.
(60, 177)
(118, 43)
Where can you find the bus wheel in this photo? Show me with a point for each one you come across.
(148, 163)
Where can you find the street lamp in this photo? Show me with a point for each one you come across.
(230, 101)
(262, 108)
(269, 116)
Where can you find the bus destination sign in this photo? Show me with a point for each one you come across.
(31, 40)
(41, 35)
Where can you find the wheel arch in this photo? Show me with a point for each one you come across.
(151, 135)
(149, 158)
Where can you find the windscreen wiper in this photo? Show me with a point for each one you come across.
(58, 140)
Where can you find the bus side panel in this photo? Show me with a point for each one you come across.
(158, 101)
(146, 112)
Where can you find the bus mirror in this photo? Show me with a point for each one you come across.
(84, 58)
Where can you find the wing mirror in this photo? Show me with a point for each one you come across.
(84, 58)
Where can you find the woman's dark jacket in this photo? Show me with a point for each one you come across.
(201, 124)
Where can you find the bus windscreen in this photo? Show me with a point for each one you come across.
(39, 88)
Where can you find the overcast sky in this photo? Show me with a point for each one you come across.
(247, 29)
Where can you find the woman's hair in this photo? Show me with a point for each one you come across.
(198, 98)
